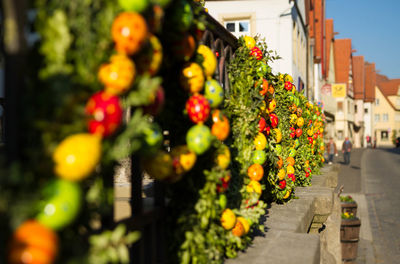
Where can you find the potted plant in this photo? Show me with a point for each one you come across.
(349, 236)
(348, 205)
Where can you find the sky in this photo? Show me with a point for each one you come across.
(374, 27)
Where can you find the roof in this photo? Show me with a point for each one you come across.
(328, 42)
(381, 78)
(342, 49)
(358, 77)
(311, 19)
(370, 82)
(319, 30)
(390, 87)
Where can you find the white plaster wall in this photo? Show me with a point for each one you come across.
(273, 21)
(358, 119)
(368, 122)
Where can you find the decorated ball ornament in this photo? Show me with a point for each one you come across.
(156, 104)
(257, 53)
(214, 93)
(255, 172)
(106, 113)
(292, 152)
(299, 132)
(254, 187)
(264, 87)
(290, 161)
(279, 163)
(118, 75)
(222, 201)
(33, 243)
(259, 157)
(278, 135)
(129, 32)
(198, 108)
(77, 156)
(192, 77)
(61, 204)
(293, 119)
(288, 86)
(198, 139)
(260, 141)
(245, 223)
(281, 174)
(292, 177)
(261, 125)
(278, 149)
(150, 58)
(223, 157)
(183, 160)
(209, 60)
(271, 105)
(249, 42)
(238, 229)
(158, 166)
(290, 169)
(288, 78)
(133, 5)
(282, 184)
(287, 194)
(300, 122)
(274, 120)
(184, 48)
(221, 129)
(228, 219)
(152, 139)
(180, 16)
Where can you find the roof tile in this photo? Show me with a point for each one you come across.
(328, 42)
(358, 77)
(370, 82)
(342, 49)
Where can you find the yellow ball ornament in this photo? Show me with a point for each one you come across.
(210, 62)
(249, 42)
(77, 156)
(260, 141)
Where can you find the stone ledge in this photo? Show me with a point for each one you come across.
(286, 239)
(281, 247)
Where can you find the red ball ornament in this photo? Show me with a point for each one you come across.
(299, 132)
(292, 134)
(288, 86)
(257, 53)
(282, 184)
(261, 125)
(307, 174)
(106, 113)
(268, 130)
(274, 120)
(292, 177)
(198, 108)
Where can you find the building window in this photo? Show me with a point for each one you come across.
(377, 101)
(385, 117)
(239, 27)
(366, 111)
(340, 107)
(340, 134)
(355, 109)
(377, 117)
(384, 135)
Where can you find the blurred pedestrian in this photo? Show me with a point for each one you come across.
(332, 150)
(346, 149)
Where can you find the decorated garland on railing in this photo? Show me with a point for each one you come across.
(221, 170)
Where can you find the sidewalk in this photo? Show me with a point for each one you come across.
(351, 178)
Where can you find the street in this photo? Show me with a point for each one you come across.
(372, 178)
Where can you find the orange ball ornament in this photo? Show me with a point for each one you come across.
(279, 163)
(129, 32)
(238, 229)
(118, 75)
(255, 172)
(290, 161)
(33, 243)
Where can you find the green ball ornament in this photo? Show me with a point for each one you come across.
(259, 157)
(134, 5)
(62, 204)
(214, 93)
(153, 138)
(181, 17)
(262, 69)
(292, 152)
(198, 139)
(222, 201)
(296, 143)
(278, 149)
